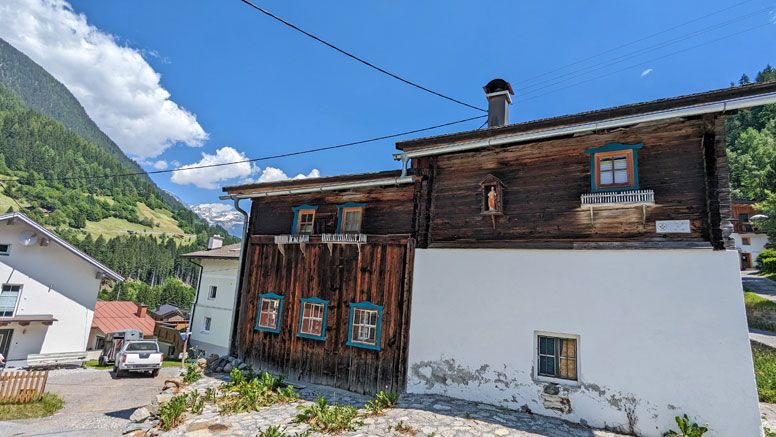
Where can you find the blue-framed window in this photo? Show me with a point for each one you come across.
(270, 309)
(614, 167)
(312, 318)
(365, 325)
(349, 217)
(304, 219)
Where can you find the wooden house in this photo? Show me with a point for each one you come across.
(579, 267)
(747, 237)
(326, 288)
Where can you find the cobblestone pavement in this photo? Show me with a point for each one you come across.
(424, 415)
(96, 404)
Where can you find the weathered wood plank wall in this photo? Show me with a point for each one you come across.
(380, 274)
(544, 181)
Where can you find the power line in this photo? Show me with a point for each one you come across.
(358, 59)
(5, 188)
(632, 42)
(648, 61)
(263, 158)
(616, 60)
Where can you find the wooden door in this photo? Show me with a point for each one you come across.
(746, 261)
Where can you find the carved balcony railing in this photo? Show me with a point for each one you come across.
(292, 239)
(617, 199)
(343, 238)
(632, 197)
(744, 228)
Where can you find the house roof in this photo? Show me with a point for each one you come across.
(111, 316)
(62, 242)
(230, 251)
(166, 310)
(630, 110)
(310, 182)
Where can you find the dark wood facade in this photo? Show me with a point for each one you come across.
(379, 272)
(682, 160)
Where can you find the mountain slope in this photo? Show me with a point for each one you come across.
(56, 164)
(40, 91)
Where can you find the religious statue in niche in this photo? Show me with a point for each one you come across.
(492, 199)
(492, 194)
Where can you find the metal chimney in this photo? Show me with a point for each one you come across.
(499, 93)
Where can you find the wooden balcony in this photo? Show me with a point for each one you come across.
(329, 239)
(631, 197)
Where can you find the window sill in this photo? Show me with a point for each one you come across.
(363, 346)
(559, 381)
(312, 337)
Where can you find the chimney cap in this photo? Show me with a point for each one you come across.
(497, 85)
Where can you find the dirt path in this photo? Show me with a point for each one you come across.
(95, 403)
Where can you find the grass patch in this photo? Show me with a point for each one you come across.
(50, 404)
(765, 371)
(754, 300)
(94, 364)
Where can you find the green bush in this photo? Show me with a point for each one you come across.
(328, 419)
(768, 265)
(241, 395)
(191, 374)
(687, 428)
(765, 254)
(171, 412)
(381, 401)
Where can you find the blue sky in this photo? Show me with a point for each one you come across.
(262, 89)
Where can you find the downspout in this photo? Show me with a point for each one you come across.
(233, 338)
(191, 314)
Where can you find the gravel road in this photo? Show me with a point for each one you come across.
(96, 404)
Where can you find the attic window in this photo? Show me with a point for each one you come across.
(304, 219)
(614, 167)
(492, 195)
(349, 217)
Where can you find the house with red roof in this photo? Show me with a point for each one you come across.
(112, 316)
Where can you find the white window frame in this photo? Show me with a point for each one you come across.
(358, 327)
(7, 251)
(306, 316)
(18, 297)
(212, 292)
(561, 381)
(206, 323)
(273, 312)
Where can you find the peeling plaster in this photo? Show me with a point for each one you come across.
(447, 372)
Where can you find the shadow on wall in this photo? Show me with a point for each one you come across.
(26, 340)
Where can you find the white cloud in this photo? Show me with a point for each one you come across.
(116, 86)
(272, 174)
(212, 176)
(160, 165)
(646, 72)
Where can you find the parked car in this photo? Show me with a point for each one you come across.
(138, 356)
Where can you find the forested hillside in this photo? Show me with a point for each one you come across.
(751, 148)
(53, 167)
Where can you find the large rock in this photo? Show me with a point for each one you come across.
(138, 429)
(228, 367)
(212, 359)
(162, 398)
(140, 415)
(176, 382)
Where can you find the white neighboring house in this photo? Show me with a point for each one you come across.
(748, 240)
(213, 313)
(49, 290)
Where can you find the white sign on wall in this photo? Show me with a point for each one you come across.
(672, 226)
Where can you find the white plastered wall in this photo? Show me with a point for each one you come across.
(223, 274)
(757, 244)
(661, 333)
(54, 281)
